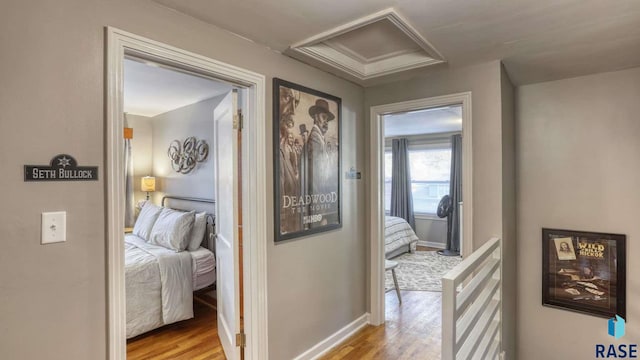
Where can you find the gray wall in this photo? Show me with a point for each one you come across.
(179, 124)
(142, 152)
(485, 83)
(509, 243)
(53, 298)
(578, 169)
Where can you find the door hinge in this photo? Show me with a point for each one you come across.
(241, 340)
(238, 120)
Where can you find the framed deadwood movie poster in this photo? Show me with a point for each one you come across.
(584, 272)
(307, 165)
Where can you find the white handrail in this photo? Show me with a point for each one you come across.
(471, 306)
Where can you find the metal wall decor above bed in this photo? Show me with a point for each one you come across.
(185, 156)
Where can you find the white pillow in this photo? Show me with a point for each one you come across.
(172, 229)
(146, 219)
(197, 233)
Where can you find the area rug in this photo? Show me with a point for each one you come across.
(421, 271)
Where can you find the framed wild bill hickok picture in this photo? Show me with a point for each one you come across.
(584, 272)
(307, 167)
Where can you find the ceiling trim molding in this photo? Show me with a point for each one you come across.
(346, 50)
(398, 63)
(390, 55)
(320, 48)
(362, 59)
(333, 58)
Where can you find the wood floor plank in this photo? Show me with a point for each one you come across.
(412, 330)
(193, 339)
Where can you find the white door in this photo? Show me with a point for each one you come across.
(226, 149)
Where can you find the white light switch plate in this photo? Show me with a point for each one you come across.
(54, 227)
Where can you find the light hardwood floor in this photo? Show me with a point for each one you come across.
(412, 331)
(194, 339)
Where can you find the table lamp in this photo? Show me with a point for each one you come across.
(148, 184)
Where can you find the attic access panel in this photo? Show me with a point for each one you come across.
(375, 45)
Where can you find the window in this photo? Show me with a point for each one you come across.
(430, 172)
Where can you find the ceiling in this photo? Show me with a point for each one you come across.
(538, 40)
(420, 122)
(150, 90)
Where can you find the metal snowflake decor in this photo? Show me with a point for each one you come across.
(184, 157)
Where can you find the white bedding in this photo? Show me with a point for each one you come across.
(204, 268)
(155, 291)
(398, 233)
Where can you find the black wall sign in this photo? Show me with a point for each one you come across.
(63, 167)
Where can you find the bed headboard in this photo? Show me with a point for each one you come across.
(197, 204)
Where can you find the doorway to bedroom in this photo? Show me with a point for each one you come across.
(180, 279)
(170, 208)
(418, 225)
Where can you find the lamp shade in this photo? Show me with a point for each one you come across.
(148, 184)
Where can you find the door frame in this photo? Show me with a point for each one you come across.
(120, 44)
(376, 187)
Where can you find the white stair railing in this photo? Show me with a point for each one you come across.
(471, 306)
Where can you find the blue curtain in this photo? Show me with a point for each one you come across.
(401, 196)
(455, 191)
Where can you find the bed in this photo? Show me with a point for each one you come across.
(399, 237)
(161, 274)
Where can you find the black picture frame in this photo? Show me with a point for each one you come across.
(584, 272)
(307, 149)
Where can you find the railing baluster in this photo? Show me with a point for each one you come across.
(466, 318)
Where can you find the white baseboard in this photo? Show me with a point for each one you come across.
(336, 339)
(432, 244)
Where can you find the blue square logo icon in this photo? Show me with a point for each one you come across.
(616, 327)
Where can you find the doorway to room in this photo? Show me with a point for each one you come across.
(178, 152)
(236, 150)
(420, 223)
